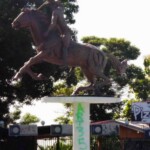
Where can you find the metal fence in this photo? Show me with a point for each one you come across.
(57, 143)
(65, 143)
(97, 143)
(114, 143)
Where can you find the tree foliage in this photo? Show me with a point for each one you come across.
(140, 81)
(66, 118)
(29, 118)
(15, 115)
(126, 111)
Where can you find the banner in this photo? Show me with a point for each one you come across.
(23, 130)
(141, 111)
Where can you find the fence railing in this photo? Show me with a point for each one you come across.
(65, 143)
(97, 143)
(57, 143)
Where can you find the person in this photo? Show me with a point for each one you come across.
(56, 11)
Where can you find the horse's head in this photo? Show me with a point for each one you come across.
(23, 20)
(123, 67)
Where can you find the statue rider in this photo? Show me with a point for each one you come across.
(56, 11)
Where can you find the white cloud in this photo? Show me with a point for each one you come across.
(46, 112)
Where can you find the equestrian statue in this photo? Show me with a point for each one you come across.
(52, 39)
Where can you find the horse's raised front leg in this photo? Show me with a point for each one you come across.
(26, 68)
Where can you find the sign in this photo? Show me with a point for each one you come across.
(105, 129)
(65, 130)
(81, 127)
(23, 130)
(141, 112)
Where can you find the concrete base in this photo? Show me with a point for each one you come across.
(83, 99)
(81, 116)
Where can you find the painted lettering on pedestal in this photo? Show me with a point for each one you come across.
(80, 127)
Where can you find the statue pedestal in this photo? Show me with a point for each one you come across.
(81, 116)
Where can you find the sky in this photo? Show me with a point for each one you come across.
(128, 19)
(46, 112)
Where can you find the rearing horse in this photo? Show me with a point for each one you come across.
(89, 58)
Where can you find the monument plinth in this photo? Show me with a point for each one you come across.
(81, 116)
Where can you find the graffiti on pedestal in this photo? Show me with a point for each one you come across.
(80, 127)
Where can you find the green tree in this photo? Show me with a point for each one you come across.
(147, 65)
(66, 118)
(15, 115)
(29, 118)
(125, 112)
(15, 49)
(139, 82)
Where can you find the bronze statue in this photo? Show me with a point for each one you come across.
(91, 60)
(55, 8)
